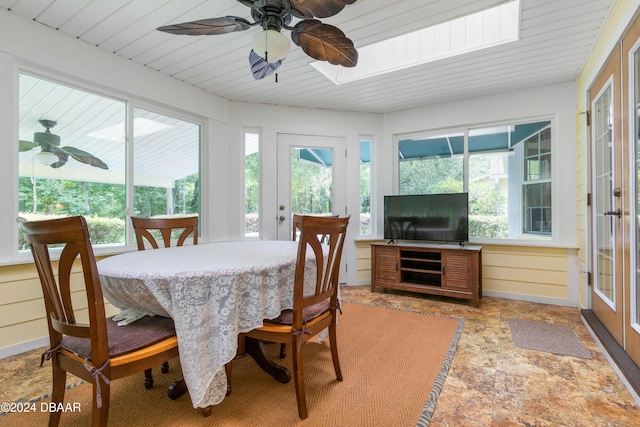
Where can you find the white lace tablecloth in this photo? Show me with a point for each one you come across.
(213, 292)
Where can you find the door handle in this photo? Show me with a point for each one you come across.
(617, 213)
(281, 218)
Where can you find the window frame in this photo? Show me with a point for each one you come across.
(12, 255)
(526, 182)
(245, 131)
(534, 238)
(372, 195)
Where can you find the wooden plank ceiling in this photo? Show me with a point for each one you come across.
(555, 39)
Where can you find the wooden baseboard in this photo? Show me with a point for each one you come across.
(624, 363)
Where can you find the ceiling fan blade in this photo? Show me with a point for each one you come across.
(324, 42)
(26, 145)
(207, 27)
(260, 67)
(318, 8)
(62, 159)
(81, 156)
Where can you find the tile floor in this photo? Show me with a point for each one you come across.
(491, 381)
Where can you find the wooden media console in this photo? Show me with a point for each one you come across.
(437, 269)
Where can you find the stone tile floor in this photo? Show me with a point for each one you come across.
(491, 381)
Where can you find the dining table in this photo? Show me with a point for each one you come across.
(213, 292)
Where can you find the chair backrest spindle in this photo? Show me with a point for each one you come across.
(165, 226)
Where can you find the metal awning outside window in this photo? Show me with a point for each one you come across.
(480, 140)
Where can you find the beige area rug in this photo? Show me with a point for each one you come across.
(547, 337)
(394, 364)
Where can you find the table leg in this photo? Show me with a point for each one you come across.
(179, 387)
(255, 349)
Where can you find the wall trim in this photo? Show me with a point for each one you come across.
(530, 298)
(23, 347)
(518, 297)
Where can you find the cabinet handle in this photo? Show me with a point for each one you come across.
(397, 265)
(442, 269)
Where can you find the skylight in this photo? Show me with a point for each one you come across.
(490, 27)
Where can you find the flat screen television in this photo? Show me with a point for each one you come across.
(427, 217)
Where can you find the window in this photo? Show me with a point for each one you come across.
(73, 159)
(507, 175)
(251, 184)
(166, 165)
(430, 165)
(537, 183)
(365, 187)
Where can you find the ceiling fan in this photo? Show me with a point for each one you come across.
(320, 41)
(52, 154)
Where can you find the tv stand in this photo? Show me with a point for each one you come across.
(437, 269)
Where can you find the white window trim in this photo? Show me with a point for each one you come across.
(246, 130)
(524, 238)
(9, 255)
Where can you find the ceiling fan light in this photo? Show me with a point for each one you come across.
(45, 158)
(271, 45)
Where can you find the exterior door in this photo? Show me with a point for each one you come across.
(311, 178)
(631, 188)
(606, 190)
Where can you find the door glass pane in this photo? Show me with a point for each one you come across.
(603, 196)
(166, 165)
(312, 181)
(635, 289)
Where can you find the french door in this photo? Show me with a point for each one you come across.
(631, 152)
(606, 190)
(615, 215)
(311, 178)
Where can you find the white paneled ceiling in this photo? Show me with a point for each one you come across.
(556, 37)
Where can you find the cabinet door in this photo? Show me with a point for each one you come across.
(387, 261)
(457, 269)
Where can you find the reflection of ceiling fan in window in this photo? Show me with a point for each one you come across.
(52, 154)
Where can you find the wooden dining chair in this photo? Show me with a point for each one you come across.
(296, 222)
(99, 351)
(315, 311)
(143, 226)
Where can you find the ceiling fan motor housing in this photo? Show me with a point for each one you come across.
(272, 14)
(46, 138)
